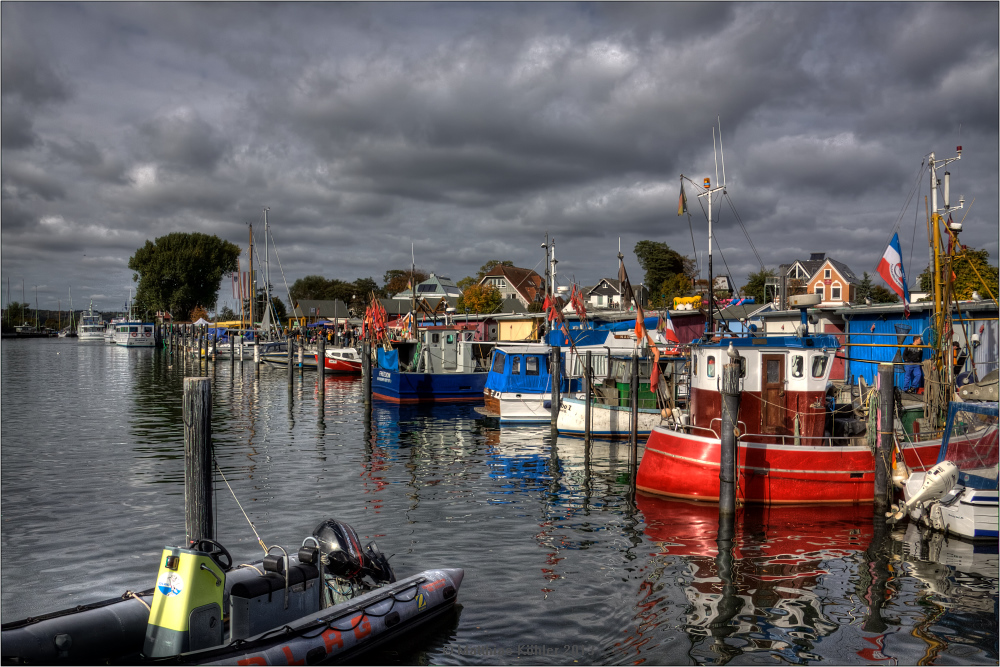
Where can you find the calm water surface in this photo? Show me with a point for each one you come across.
(563, 565)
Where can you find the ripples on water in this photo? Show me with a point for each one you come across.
(562, 563)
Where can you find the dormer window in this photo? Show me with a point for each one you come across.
(826, 273)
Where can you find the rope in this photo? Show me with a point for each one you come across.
(252, 527)
(135, 596)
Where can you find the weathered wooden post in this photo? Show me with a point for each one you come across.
(730, 388)
(197, 413)
(366, 372)
(291, 360)
(232, 344)
(634, 430)
(321, 356)
(556, 355)
(300, 353)
(587, 392)
(215, 342)
(885, 428)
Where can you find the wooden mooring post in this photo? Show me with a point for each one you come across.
(634, 430)
(883, 450)
(232, 348)
(291, 361)
(321, 363)
(730, 389)
(556, 356)
(588, 397)
(366, 373)
(197, 413)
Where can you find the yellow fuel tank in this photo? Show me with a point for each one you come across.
(186, 613)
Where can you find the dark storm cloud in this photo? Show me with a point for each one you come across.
(471, 129)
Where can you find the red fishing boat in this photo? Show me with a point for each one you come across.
(341, 360)
(789, 450)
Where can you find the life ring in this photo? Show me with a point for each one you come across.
(133, 335)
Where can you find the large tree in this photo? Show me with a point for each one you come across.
(480, 299)
(755, 284)
(660, 262)
(973, 273)
(396, 280)
(182, 270)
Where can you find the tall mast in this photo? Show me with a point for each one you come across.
(709, 190)
(413, 292)
(552, 250)
(942, 262)
(267, 269)
(548, 274)
(253, 282)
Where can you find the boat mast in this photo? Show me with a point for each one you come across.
(942, 263)
(413, 293)
(709, 190)
(253, 282)
(267, 271)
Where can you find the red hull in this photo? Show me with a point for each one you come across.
(687, 466)
(341, 365)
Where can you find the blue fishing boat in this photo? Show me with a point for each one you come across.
(446, 364)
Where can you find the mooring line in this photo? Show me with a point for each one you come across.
(252, 527)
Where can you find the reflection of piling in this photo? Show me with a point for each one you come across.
(232, 343)
(197, 412)
(877, 571)
(556, 383)
(731, 604)
(256, 352)
(321, 364)
(884, 442)
(587, 373)
(300, 353)
(730, 388)
(366, 372)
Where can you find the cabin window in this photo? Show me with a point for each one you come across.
(450, 339)
(133, 329)
(694, 365)
(798, 363)
(515, 365)
(742, 361)
(435, 338)
(710, 367)
(531, 365)
(835, 292)
(498, 361)
(819, 365)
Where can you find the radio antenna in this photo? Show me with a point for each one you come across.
(722, 153)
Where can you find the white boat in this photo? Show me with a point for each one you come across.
(132, 333)
(91, 326)
(606, 421)
(112, 328)
(958, 496)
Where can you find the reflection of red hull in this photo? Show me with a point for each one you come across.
(790, 532)
(341, 365)
(687, 466)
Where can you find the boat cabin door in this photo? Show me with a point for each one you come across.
(772, 394)
(449, 351)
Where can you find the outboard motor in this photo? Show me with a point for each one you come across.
(345, 564)
(938, 481)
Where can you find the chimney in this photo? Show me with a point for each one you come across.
(817, 256)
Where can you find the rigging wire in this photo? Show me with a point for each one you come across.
(743, 227)
(916, 213)
(902, 212)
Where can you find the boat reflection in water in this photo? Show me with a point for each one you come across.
(755, 577)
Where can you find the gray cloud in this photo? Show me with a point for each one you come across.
(471, 129)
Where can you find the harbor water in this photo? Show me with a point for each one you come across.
(563, 563)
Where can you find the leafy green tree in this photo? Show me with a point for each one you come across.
(678, 285)
(310, 288)
(466, 282)
(480, 299)
(659, 261)
(881, 294)
(16, 314)
(395, 281)
(863, 290)
(227, 315)
(755, 284)
(179, 271)
(965, 265)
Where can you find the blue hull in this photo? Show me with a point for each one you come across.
(427, 387)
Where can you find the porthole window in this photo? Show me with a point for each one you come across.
(710, 367)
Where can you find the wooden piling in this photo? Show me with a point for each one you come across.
(634, 431)
(320, 356)
(588, 396)
(366, 372)
(197, 413)
(232, 347)
(885, 429)
(730, 389)
(556, 383)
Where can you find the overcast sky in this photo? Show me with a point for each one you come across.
(471, 130)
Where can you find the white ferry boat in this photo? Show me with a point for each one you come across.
(91, 326)
(131, 333)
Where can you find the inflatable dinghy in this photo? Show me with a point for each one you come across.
(329, 602)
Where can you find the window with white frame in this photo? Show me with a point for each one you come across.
(835, 292)
(819, 290)
(826, 273)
